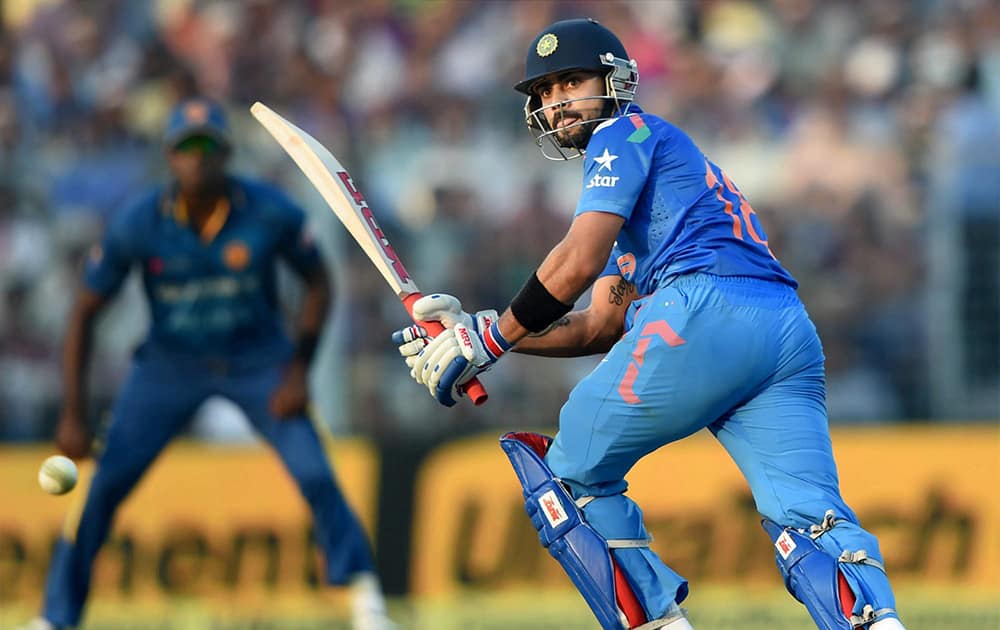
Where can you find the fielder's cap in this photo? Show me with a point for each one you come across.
(197, 117)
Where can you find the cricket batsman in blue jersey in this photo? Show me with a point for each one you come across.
(208, 245)
(702, 329)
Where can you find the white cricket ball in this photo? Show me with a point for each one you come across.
(57, 475)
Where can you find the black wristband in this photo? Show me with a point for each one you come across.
(305, 348)
(535, 308)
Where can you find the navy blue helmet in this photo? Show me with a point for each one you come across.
(579, 44)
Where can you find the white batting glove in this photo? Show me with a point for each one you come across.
(450, 360)
(439, 307)
(410, 341)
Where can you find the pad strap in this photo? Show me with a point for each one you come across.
(618, 543)
(869, 615)
(624, 543)
(829, 522)
(860, 557)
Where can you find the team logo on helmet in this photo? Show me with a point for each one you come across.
(547, 45)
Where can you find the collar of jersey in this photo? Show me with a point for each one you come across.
(212, 226)
(176, 208)
(630, 109)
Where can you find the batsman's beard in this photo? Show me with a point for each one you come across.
(576, 135)
(577, 130)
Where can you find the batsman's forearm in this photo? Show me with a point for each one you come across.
(578, 259)
(565, 275)
(574, 335)
(590, 331)
(564, 338)
(569, 269)
(566, 272)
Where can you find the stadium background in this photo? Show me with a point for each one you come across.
(864, 133)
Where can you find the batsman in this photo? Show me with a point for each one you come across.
(702, 329)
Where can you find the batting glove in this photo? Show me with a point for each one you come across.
(470, 345)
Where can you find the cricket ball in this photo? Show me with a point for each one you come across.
(57, 475)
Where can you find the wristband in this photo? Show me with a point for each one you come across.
(535, 308)
(494, 341)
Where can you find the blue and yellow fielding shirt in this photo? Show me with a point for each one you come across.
(211, 294)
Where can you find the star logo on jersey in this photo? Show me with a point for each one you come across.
(605, 160)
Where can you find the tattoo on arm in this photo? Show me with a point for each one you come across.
(559, 323)
(620, 292)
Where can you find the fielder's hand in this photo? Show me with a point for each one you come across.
(290, 398)
(445, 363)
(72, 436)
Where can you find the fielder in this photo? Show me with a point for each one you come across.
(702, 328)
(208, 245)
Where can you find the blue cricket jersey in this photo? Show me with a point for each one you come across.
(211, 294)
(682, 213)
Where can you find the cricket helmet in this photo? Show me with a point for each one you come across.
(577, 44)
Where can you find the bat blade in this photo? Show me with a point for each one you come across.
(338, 190)
(335, 185)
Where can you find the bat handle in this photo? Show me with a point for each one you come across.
(474, 389)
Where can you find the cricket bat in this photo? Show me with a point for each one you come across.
(337, 188)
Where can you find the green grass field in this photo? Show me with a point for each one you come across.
(709, 608)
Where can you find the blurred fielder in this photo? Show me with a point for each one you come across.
(208, 245)
(702, 328)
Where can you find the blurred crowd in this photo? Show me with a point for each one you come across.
(864, 133)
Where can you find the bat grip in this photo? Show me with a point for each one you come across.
(473, 389)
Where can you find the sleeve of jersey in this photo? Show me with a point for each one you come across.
(616, 166)
(297, 244)
(108, 264)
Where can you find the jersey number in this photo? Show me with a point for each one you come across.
(746, 210)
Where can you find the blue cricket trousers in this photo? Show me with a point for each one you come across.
(155, 404)
(740, 357)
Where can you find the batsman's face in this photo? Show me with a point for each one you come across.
(198, 164)
(570, 99)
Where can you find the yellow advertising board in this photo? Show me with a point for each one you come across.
(929, 493)
(205, 520)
